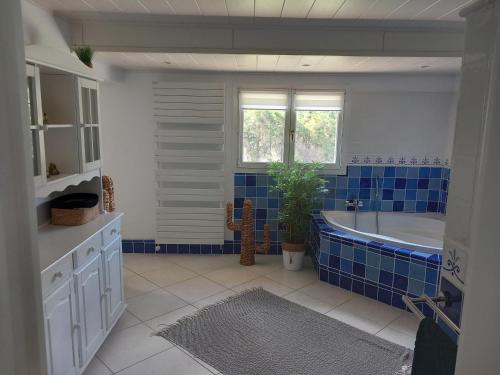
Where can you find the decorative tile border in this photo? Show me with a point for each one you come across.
(399, 160)
(150, 247)
(455, 264)
(375, 270)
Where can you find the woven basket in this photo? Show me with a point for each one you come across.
(73, 216)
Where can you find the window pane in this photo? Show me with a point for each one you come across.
(263, 135)
(316, 136)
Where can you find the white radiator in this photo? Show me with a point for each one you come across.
(190, 162)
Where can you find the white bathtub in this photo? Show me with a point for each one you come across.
(414, 231)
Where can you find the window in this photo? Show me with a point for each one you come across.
(263, 115)
(288, 126)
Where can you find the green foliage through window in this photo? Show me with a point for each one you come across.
(316, 136)
(263, 135)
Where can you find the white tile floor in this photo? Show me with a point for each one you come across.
(163, 288)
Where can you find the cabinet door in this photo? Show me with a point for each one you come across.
(114, 285)
(88, 93)
(35, 123)
(61, 336)
(90, 292)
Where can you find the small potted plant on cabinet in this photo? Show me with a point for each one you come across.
(298, 183)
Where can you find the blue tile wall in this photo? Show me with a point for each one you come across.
(408, 189)
(372, 269)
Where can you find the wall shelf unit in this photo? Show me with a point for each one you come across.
(63, 104)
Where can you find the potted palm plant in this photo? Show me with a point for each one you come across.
(298, 184)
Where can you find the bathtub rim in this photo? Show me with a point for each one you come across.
(391, 241)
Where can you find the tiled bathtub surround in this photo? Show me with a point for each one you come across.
(375, 270)
(408, 189)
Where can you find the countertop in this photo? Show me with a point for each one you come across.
(56, 241)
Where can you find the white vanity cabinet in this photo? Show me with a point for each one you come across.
(61, 334)
(89, 285)
(113, 270)
(82, 287)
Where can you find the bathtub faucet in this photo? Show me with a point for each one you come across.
(356, 203)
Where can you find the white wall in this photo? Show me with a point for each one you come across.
(40, 27)
(43, 28)
(385, 114)
(21, 323)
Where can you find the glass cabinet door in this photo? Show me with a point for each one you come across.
(89, 118)
(35, 123)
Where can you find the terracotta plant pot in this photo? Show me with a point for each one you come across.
(293, 255)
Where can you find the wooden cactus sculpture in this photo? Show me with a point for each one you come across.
(248, 246)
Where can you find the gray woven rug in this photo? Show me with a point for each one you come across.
(256, 332)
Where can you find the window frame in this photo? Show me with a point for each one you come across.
(290, 125)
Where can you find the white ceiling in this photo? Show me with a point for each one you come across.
(337, 9)
(279, 63)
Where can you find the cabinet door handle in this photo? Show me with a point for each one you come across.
(108, 289)
(57, 275)
(76, 326)
(90, 250)
(113, 231)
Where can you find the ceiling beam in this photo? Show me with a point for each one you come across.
(216, 35)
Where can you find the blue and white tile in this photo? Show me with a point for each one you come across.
(454, 264)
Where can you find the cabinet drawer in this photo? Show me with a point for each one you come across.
(111, 232)
(57, 275)
(88, 250)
